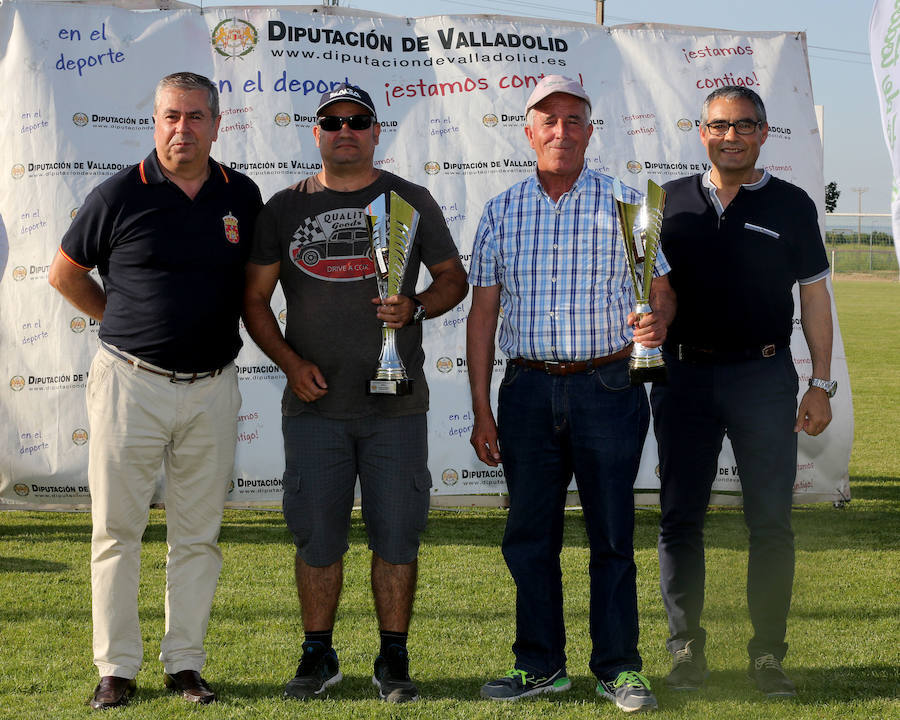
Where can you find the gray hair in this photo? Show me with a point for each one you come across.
(731, 93)
(189, 81)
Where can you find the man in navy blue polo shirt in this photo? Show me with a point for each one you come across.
(737, 240)
(169, 237)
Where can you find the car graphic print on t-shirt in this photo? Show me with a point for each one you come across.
(333, 245)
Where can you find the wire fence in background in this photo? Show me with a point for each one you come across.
(861, 243)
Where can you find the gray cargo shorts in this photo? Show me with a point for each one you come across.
(323, 458)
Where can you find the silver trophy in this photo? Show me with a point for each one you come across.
(391, 237)
(641, 225)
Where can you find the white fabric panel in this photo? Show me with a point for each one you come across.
(450, 92)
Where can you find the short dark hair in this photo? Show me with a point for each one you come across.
(189, 81)
(734, 92)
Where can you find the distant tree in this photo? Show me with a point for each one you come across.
(831, 196)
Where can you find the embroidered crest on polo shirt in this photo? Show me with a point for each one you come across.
(231, 229)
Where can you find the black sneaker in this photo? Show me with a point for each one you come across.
(519, 684)
(391, 676)
(767, 673)
(689, 669)
(318, 670)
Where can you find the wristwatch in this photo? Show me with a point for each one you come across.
(418, 311)
(829, 386)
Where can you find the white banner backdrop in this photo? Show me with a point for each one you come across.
(450, 93)
(884, 50)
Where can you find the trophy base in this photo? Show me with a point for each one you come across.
(646, 364)
(641, 373)
(402, 386)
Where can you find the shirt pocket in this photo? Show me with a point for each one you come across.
(763, 230)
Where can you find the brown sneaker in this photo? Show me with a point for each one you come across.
(112, 692)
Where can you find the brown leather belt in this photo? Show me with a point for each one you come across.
(560, 367)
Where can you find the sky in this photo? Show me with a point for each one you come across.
(837, 38)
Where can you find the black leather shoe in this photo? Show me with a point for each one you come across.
(112, 692)
(689, 670)
(769, 676)
(192, 687)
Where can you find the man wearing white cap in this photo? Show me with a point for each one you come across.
(548, 252)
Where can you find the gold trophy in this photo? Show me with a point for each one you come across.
(640, 225)
(391, 237)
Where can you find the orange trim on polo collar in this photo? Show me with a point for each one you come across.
(144, 174)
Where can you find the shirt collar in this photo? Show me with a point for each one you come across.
(575, 190)
(151, 172)
(707, 182)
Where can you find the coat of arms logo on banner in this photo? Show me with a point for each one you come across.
(234, 38)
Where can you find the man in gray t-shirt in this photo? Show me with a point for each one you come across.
(319, 236)
(312, 238)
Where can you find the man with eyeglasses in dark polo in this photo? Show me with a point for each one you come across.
(737, 240)
(312, 237)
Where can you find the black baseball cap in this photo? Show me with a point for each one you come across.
(346, 93)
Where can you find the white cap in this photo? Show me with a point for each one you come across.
(550, 84)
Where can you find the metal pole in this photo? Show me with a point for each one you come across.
(859, 191)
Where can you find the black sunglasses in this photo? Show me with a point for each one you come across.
(333, 123)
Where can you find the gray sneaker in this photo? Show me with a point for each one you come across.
(518, 684)
(630, 691)
(769, 676)
(689, 669)
(391, 676)
(318, 670)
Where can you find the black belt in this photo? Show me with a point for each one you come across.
(569, 367)
(174, 377)
(707, 356)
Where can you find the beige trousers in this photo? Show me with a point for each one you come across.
(139, 422)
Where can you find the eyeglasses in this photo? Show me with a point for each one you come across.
(741, 127)
(333, 123)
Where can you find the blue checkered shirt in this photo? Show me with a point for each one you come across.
(565, 286)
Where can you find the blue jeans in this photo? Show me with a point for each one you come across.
(592, 424)
(755, 403)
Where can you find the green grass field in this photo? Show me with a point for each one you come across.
(844, 630)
